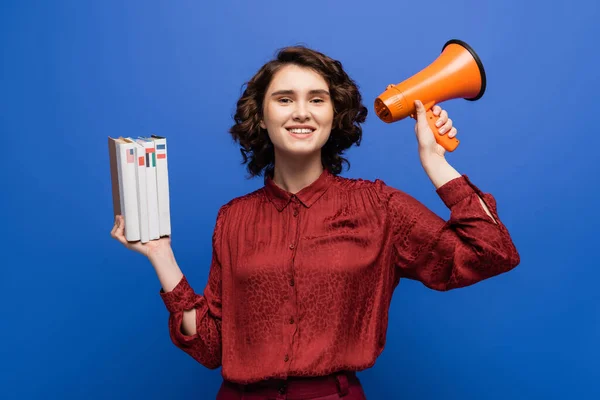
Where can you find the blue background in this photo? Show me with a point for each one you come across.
(81, 315)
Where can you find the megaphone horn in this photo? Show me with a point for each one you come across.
(456, 73)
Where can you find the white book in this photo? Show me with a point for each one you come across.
(142, 191)
(162, 184)
(127, 187)
(151, 187)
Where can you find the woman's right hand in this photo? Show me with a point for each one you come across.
(149, 249)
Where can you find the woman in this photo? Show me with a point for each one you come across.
(303, 269)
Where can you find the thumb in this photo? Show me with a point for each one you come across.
(421, 114)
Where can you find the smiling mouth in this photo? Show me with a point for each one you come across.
(300, 131)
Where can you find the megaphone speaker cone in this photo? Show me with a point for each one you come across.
(482, 76)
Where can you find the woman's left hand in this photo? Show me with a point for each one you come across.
(428, 147)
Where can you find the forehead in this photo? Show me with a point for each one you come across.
(294, 77)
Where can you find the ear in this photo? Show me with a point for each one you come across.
(262, 124)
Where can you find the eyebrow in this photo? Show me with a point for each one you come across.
(289, 92)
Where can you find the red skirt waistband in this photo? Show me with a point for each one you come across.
(296, 388)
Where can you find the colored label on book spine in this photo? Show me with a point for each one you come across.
(148, 160)
(161, 151)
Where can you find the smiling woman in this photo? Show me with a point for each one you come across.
(298, 120)
(300, 88)
(304, 268)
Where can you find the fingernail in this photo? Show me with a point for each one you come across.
(438, 123)
(442, 130)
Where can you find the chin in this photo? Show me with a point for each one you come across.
(296, 151)
(299, 149)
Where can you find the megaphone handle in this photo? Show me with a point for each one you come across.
(448, 143)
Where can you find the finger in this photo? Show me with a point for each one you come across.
(420, 107)
(421, 116)
(436, 110)
(115, 226)
(446, 127)
(453, 132)
(442, 119)
(120, 233)
(420, 111)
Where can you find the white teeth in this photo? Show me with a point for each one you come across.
(301, 130)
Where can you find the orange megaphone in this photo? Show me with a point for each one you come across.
(456, 73)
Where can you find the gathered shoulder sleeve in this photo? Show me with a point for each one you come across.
(205, 345)
(467, 248)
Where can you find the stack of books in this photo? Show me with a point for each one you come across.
(140, 186)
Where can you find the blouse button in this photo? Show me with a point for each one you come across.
(291, 282)
(286, 358)
(295, 213)
(291, 320)
(292, 246)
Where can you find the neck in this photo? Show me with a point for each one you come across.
(294, 174)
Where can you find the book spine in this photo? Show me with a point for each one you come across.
(114, 176)
(162, 183)
(140, 169)
(152, 191)
(128, 188)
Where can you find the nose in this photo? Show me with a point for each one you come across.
(301, 112)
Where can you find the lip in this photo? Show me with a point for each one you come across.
(301, 135)
(300, 127)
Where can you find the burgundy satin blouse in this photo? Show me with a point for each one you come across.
(300, 285)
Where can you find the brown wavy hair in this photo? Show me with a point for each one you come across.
(349, 112)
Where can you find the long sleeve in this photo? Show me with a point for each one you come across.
(462, 251)
(205, 346)
(287, 269)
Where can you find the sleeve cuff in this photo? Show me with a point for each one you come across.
(181, 298)
(456, 190)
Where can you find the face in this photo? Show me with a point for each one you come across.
(298, 112)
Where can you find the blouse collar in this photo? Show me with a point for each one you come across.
(307, 196)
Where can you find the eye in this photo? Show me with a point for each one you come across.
(318, 100)
(284, 100)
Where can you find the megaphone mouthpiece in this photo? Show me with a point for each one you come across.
(392, 106)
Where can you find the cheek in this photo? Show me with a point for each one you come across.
(276, 115)
(326, 117)
(327, 113)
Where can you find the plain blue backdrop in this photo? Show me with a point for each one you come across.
(81, 315)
